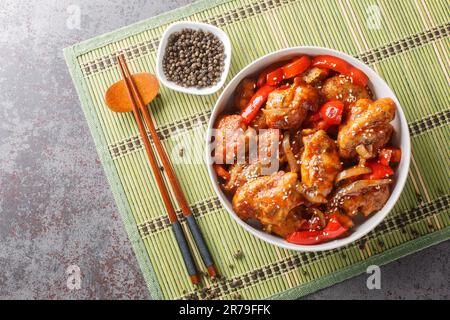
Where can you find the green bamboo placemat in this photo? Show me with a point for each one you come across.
(406, 42)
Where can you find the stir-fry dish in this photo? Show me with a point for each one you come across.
(333, 149)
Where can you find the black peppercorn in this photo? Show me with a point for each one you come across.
(194, 58)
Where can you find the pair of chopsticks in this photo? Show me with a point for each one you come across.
(138, 109)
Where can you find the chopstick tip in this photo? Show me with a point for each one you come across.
(212, 271)
(195, 280)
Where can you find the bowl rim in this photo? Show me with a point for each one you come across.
(376, 218)
(193, 25)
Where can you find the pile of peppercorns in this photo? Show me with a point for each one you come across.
(194, 58)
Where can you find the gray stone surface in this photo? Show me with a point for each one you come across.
(55, 205)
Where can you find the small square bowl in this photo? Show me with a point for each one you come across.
(178, 26)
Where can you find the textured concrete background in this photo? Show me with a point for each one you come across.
(55, 205)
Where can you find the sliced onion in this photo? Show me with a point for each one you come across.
(292, 161)
(363, 152)
(311, 195)
(321, 216)
(235, 172)
(362, 162)
(352, 172)
(356, 188)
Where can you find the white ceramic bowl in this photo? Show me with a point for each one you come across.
(400, 139)
(178, 26)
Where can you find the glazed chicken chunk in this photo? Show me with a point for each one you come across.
(287, 108)
(230, 136)
(293, 222)
(240, 174)
(360, 196)
(320, 165)
(268, 199)
(368, 202)
(262, 159)
(341, 88)
(367, 125)
(259, 122)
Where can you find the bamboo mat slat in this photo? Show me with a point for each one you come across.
(408, 46)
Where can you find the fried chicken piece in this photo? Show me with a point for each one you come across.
(244, 93)
(230, 136)
(315, 75)
(320, 165)
(293, 222)
(259, 121)
(241, 174)
(268, 199)
(262, 159)
(268, 147)
(367, 124)
(287, 108)
(341, 88)
(368, 202)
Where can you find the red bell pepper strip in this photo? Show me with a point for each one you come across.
(390, 155)
(332, 63)
(343, 67)
(275, 77)
(332, 112)
(379, 171)
(284, 86)
(296, 67)
(305, 237)
(358, 77)
(221, 172)
(262, 79)
(333, 229)
(258, 99)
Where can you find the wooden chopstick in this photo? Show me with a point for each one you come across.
(176, 226)
(179, 195)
